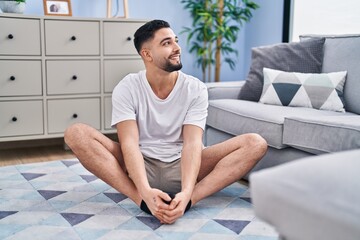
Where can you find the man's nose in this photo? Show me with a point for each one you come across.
(177, 47)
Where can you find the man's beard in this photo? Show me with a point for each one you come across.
(169, 67)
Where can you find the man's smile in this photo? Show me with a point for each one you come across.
(175, 57)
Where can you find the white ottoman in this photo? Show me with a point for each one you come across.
(315, 198)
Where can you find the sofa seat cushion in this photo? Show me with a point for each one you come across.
(237, 117)
(313, 198)
(323, 134)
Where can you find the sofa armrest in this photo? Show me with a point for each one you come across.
(224, 90)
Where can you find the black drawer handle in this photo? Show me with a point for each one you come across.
(75, 115)
(74, 77)
(10, 36)
(73, 38)
(14, 119)
(12, 78)
(128, 38)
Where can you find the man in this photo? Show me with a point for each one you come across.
(160, 113)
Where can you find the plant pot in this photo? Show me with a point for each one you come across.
(12, 7)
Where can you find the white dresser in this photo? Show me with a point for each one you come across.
(58, 71)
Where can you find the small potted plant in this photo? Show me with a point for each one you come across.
(12, 6)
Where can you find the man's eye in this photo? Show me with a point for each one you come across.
(166, 43)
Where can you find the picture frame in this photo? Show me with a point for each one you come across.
(57, 7)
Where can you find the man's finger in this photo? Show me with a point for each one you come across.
(167, 219)
(173, 204)
(169, 213)
(165, 196)
(164, 219)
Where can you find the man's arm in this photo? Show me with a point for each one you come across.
(190, 166)
(129, 142)
(128, 134)
(190, 158)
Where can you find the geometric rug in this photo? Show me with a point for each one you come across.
(61, 200)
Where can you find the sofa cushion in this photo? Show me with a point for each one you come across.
(313, 198)
(305, 57)
(323, 134)
(313, 90)
(342, 53)
(237, 117)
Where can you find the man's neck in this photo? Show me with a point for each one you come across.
(162, 83)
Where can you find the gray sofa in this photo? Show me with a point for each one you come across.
(293, 132)
(313, 198)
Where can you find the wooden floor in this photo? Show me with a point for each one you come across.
(24, 155)
(42, 150)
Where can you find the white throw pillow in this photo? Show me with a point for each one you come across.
(313, 90)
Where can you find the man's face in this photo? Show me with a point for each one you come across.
(165, 50)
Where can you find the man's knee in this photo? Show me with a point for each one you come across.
(256, 143)
(74, 133)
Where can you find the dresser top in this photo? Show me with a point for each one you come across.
(23, 16)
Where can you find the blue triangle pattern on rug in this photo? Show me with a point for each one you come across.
(151, 222)
(116, 197)
(247, 199)
(89, 178)
(48, 194)
(4, 214)
(69, 163)
(31, 176)
(234, 225)
(76, 218)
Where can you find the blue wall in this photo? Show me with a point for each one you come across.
(264, 28)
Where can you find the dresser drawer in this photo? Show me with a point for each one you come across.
(72, 37)
(108, 112)
(73, 77)
(118, 38)
(20, 78)
(20, 118)
(19, 36)
(116, 70)
(62, 113)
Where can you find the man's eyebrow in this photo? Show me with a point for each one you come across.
(168, 38)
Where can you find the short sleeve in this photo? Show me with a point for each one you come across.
(198, 110)
(123, 105)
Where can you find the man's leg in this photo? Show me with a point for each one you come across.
(101, 156)
(225, 163)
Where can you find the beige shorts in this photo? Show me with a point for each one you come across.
(164, 176)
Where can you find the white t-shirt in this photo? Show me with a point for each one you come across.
(160, 121)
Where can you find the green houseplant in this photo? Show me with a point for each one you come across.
(12, 6)
(215, 27)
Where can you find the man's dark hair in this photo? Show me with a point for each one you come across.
(147, 31)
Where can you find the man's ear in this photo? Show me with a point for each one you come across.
(146, 55)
